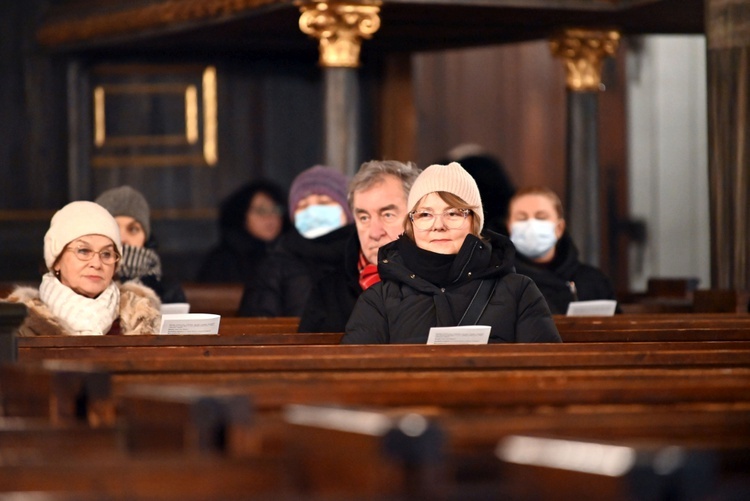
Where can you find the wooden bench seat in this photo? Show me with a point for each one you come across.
(474, 450)
(521, 384)
(475, 394)
(646, 395)
(241, 332)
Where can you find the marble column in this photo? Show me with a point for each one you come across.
(583, 52)
(340, 28)
(728, 67)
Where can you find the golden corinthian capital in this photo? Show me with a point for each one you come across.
(583, 52)
(340, 28)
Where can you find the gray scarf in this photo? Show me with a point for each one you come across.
(138, 262)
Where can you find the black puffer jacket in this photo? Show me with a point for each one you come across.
(283, 281)
(403, 307)
(333, 297)
(565, 278)
(235, 259)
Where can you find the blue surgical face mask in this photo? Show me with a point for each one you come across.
(534, 237)
(317, 220)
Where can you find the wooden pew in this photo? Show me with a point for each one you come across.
(458, 453)
(274, 376)
(414, 357)
(222, 299)
(166, 444)
(44, 347)
(465, 383)
(243, 332)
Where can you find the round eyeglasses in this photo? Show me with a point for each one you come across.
(453, 219)
(107, 256)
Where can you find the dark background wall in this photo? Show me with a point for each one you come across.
(510, 99)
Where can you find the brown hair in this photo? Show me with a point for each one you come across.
(452, 200)
(539, 190)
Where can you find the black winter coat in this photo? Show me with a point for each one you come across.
(235, 259)
(565, 278)
(403, 306)
(283, 281)
(333, 297)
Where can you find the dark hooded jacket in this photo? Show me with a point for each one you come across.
(565, 278)
(236, 257)
(333, 297)
(283, 281)
(421, 289)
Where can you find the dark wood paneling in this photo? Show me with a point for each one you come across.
(509, 99)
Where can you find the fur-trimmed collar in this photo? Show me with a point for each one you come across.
(139, 311)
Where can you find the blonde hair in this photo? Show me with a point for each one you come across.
(452, 200)
(542, 191)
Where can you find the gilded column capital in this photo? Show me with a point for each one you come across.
(340, 28)
(583, 52)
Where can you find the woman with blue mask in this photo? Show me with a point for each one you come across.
(314, 247)
(546, 253)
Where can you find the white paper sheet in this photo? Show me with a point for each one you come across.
(190, 323)
(595, 308)
(463, 334)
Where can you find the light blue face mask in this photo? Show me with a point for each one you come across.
(534, 237)
(317, 220)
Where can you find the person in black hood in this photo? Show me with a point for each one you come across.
(250, 221)
(313, 248)
(432, 274)
(494, 183)
(546, 253)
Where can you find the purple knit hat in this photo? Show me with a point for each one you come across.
(320, 180)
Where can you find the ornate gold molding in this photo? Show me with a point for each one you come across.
(90, 25)
(340, 27)
(107, 152)
(583, 52)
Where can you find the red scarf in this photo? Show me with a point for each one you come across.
(368, 272)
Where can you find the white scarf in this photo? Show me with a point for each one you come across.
(79, 314)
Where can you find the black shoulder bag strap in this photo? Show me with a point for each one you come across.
(479, 302)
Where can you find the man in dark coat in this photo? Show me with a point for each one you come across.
(377, 197)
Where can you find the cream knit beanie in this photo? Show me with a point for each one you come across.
(451, 178)
(76, 220)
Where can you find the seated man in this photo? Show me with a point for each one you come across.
(377, 196)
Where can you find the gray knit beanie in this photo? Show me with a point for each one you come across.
(127, 201)
(451, 178)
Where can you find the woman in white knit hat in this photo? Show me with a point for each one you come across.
(78, 294)
(444, 271)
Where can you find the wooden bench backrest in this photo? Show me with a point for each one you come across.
(222, 299)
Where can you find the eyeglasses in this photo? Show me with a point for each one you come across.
(107, 256)
(453, 219)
